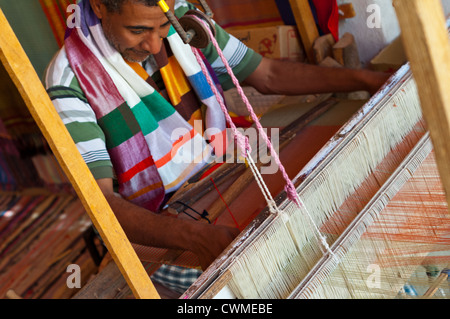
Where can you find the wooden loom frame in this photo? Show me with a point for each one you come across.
(423, 28)
(216, 277)
(427, 47)
(432, 92)
(22, 73)
(435, 103)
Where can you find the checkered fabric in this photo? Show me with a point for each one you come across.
(178, 279)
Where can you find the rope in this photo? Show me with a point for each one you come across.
(242, 142)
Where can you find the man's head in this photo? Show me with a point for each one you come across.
(116, 5)
(134, 28)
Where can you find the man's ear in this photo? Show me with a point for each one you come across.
(98, 7)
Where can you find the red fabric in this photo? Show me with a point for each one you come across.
(328, 16)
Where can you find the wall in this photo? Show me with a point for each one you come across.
(371, 40)
(32, 29)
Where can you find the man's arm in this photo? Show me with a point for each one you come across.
(147, 228)
(293, 78)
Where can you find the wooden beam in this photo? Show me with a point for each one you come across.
(306, 26)
(426, 41)
(22, 73)
(323, 48)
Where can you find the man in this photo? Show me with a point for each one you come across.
(95, 87)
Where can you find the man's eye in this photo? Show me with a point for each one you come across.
(137, 31)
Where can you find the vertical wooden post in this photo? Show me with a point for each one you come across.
(41, 108)
(306, 26)
(426, 42)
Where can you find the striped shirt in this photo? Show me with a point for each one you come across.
(79, 118)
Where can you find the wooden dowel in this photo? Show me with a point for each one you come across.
(221, 282)
(306, 26)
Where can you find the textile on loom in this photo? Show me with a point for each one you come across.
(404, 232)
(324, 195)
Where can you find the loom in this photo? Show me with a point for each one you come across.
(354, 187)
(279, 257)
(375, 141)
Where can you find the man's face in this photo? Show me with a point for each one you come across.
(136, 31)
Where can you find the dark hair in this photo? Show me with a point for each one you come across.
(116, 5)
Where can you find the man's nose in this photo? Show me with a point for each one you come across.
(152, 43)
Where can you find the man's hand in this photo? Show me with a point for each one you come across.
(293, 78)
(375, 80)
(212, 242)
(159, 230)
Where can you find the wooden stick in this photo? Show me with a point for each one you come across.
(323, 48)
(443, 276)
(221, 282)
(426, 42)
(345, 51)
(41, 108)
(346, 11)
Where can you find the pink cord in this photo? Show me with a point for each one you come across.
(241, 140)
(289, 188)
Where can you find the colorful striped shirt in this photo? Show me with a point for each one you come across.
(80, 120)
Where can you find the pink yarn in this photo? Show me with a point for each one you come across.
(241, 140)
(289, 188)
